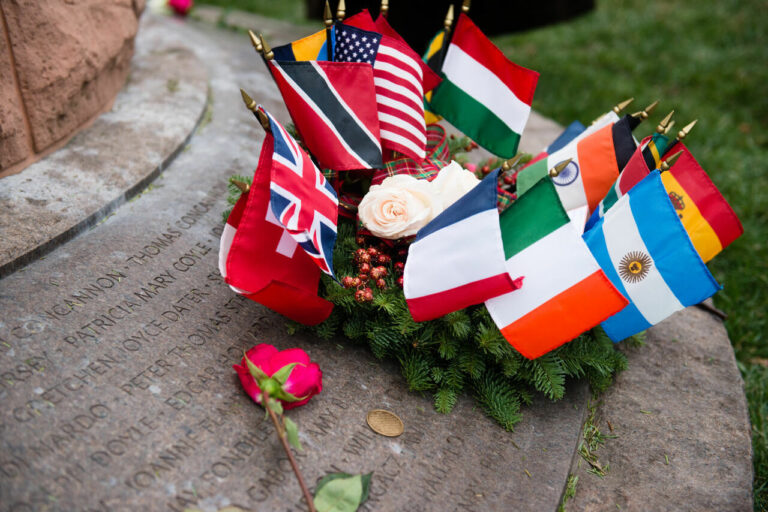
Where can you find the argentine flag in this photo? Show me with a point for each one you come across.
(645, 251)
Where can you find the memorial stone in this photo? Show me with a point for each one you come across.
(118, 392)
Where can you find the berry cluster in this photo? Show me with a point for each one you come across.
(372, 266)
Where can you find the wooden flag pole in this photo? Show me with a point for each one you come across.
(328, 20)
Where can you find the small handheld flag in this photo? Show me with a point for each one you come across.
(642, 247)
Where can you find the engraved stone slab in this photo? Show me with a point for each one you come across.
(116, 353)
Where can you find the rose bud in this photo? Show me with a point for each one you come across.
(368, 294)
(181, 7)
(287, 375)
(365, 268)
(399, 267)
(384, 259)
(378, 272)
(400, 281)
(381, 284)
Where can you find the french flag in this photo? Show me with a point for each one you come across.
(457, 260)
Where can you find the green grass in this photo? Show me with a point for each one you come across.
(707, 60)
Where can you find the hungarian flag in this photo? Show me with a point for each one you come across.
(709, 220)
(457, 260)
(259, 259)
(642, 247)
(333, 105)
(483, 93)
(646, 158)
(312, 47)
(398, 77)
(302, 200)
(564, 292)
(595, 164)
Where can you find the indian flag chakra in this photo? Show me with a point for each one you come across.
(483, 93)
(564, 291)
(644, 249)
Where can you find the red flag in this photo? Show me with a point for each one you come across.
(261, 260)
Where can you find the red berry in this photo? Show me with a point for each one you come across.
(384, 259)
(485, 169)
(399, 267)
(400, 281)
(368, 294)
(363, 278)
(359, 253)
(356, 281)
(381, 284)
(347, 281)
(360, 295)
(402, 252)
(373, 251)
(378, 272)
(364, 257)
(365, 268)
(509, 179)
(468, 147)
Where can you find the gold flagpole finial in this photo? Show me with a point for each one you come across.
(265, 49)
(669, 162)
(255, 41)
(384, 9)
(341, 10)
(664, 123)
(686, 130)
(508, 164)
(248, 101)
(465, 5)
(264, 120)
(243, 186)
(622, 105)
(669, 127)
(643, 114)
(327, 16)
(556, 170)
(448, 19)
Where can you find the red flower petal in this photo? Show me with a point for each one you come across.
(286, 357)
(305, 381)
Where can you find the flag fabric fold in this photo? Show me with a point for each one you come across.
(457, 260)
(564, 291)
(438, 155)
(643, 248)
(483, 93)
(333, 105)
(301, 200)
(707, 217)
(259, 259)
(398, 80)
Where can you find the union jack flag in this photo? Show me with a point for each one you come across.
(301, 199)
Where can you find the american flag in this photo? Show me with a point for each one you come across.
(301, 199)
(398, 77)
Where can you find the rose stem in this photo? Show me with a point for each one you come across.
(294, 465)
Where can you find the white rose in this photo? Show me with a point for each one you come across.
(452, 182)
(399, 207)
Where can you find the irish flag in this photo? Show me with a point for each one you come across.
(564, 291)
(483, 93)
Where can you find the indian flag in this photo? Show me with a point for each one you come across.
(483, 93)
(592, 172)
(564, 291)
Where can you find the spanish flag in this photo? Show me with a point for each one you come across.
(709, 220)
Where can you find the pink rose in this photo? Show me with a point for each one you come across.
(181, 7)
(303, 381)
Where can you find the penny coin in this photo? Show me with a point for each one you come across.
(385, 423)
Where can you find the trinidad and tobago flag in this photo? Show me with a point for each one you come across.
(301, 199)
(333, 105)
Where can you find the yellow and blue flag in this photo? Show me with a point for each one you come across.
(313, 47)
